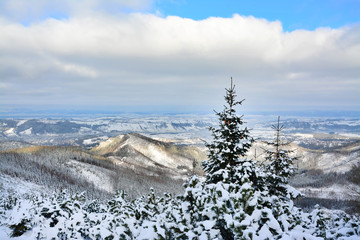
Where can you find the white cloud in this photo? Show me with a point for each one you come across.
(135, 58)
(76, 69)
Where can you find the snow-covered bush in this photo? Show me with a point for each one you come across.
(204, 211)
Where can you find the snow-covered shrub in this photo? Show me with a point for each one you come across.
(205, 211)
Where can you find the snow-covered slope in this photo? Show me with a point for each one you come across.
(338, 160)
(131, 162)
(320, 173)
(140, 151)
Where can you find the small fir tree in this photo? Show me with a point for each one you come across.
(280, 166)
(230, 143)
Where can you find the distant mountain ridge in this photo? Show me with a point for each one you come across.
(15, 127)
(89, 132)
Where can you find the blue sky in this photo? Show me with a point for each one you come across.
(306, 14)
(178, 56)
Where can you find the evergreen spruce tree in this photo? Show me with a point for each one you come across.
(280, 166)
(229, 146)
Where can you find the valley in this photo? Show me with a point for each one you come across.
(135, 153)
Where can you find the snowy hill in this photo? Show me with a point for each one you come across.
(338, 160)
(130, 162)
(320, 173)
(140, 151)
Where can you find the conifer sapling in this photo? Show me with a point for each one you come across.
(230, 143)
(280, 166)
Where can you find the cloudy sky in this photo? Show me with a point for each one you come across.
(179, 55)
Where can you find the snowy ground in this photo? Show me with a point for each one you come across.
(18, 187)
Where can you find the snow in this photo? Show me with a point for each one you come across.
(159, 156)
(350, 135)
(342, 163)
(335, 191)
(10, 132)
(99, 177)
(88, 141)
(72, 218)
(27, 131)
(92, 141)
(21, 122)
(6, 232)
(208, 224)
(304, 135)
(16, 186)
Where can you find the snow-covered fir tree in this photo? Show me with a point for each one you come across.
(235, 193)
(280, 163)
(231, 142)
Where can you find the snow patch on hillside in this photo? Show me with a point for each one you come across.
(335, 191)
(98, 176)
(27, 131)
(342, 163)
(18, 187)
(159, 156)
(350, 135)
(304, 135)
(92, 141)
(21, 122)
(49, 121)
(10, 132)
